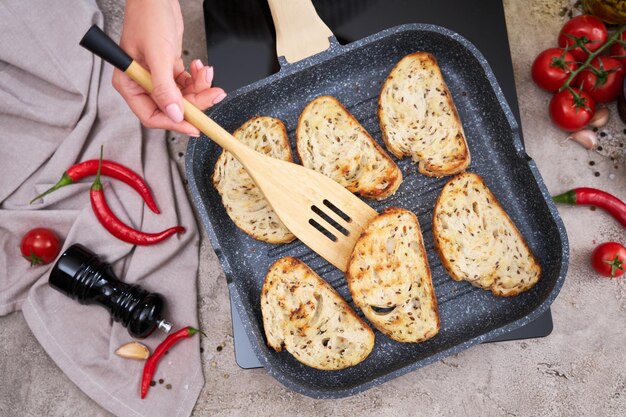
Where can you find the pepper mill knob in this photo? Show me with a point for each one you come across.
(82, 276)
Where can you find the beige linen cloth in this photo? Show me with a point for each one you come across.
(57, 106)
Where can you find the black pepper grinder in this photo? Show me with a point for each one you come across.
(81, 275)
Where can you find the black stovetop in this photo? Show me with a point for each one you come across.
(241, 46)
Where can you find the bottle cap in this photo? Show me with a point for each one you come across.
(70, 264)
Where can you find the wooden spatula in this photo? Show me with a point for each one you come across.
(321, 213)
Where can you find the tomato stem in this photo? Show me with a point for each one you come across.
(612, 39)
(33, 259)
(579, 101)
(615, 265)
(560, 62)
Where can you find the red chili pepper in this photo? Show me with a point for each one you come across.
(594, 197)
(110, 169)
(116, 227)
(151, 363)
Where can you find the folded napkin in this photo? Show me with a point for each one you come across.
(57, 106)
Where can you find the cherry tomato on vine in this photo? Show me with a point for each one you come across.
(590, 32)
(552, 67)
(609, 259)
(604, 80)
(618, 50)
(571, 112)
(40, 246)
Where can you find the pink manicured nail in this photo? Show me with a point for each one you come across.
(198, 64)
(219, 98)
(174, 112)
(194, 134)
(209, 75)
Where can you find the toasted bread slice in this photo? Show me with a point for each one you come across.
(419, 119)
(331, 141)
(244, 202)
(306, 316)
(389, 278)
(477, 241)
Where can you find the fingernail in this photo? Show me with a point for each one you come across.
(174, 112)
(209, 75)
(194, 134)
(198, 64)
(219, 98)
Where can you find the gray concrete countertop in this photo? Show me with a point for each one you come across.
(578, 370)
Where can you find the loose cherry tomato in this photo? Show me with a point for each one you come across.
(40, 246)
(552, 67)
(590, 32)
(618, 50)
(571, 112)
(604, 80)
(609, 259)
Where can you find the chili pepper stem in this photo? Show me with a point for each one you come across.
(97, 185)
(193, 330)
(65, 180)
(568, 197)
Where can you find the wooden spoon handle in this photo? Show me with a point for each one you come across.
(300, 33)
(102, 45)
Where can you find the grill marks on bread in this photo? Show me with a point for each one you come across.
(306, 316)
(477, 241)
(331, 141)
(389, 278)
(244, 202)
(419, 119)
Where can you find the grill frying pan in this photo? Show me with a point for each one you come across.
(354, 74)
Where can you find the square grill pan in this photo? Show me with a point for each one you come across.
(354, 73)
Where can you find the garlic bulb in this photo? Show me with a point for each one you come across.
(586, 137)
(600, 118)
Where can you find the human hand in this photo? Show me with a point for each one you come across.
(152, 35)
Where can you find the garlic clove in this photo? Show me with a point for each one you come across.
(600, 118)
(586, 137)
(133, 350)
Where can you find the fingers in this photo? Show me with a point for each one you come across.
(166, 94)
(194, 85)
(182, 77)
(145, 108)
(199, 91)
(206, 98)
(183, 80)
(195, 67)
(203, 76)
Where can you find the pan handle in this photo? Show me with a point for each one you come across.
(300, 33)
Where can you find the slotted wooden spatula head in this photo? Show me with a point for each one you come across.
(321, 213)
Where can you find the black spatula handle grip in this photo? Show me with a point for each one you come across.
(102, 45)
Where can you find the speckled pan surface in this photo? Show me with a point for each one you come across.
(354, 74)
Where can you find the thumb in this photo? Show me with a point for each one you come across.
(166, 94)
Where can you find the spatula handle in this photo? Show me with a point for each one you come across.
(300, 33)
(98, 42)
